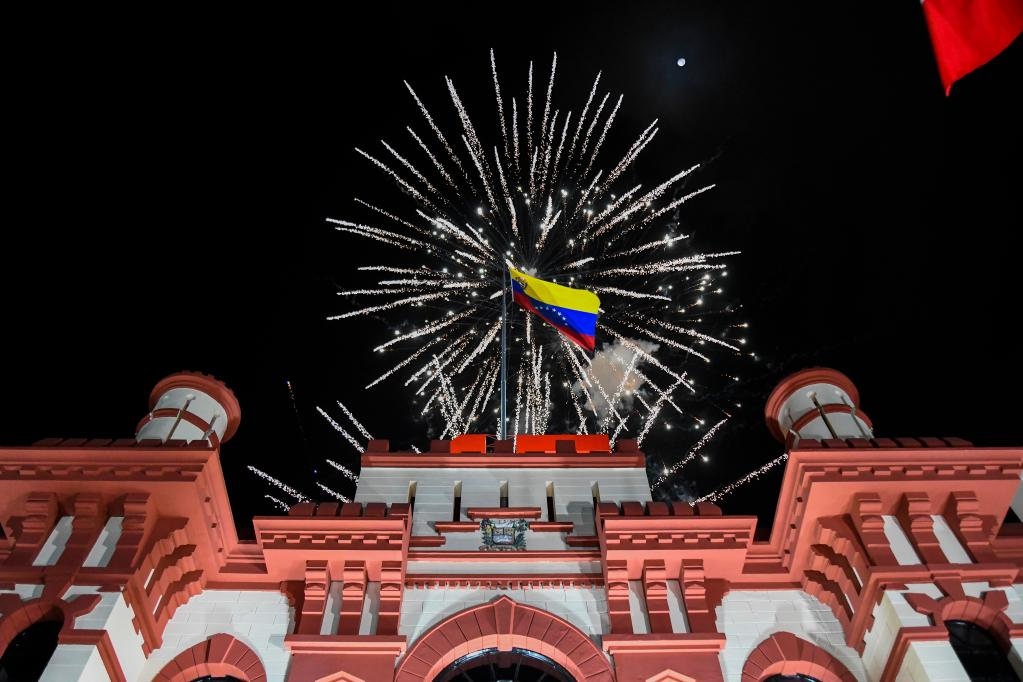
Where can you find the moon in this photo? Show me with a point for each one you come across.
(681, 61)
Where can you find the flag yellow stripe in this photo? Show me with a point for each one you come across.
(557, 295)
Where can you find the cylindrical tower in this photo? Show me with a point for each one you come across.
(190, 406)
(816, 403)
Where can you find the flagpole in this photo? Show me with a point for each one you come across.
(503, 427)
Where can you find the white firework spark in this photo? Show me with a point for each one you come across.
(755, 474)
(345, 471)
(280, 484)
(532, 194)
(695, 450)
(333, 493)
(340, 429)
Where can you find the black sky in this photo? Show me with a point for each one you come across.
(168, 176)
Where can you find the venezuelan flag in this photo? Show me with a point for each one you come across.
(572, 311)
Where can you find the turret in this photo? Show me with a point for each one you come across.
(190, 406)
(818, 403)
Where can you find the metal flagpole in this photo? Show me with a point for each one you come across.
(503, 428)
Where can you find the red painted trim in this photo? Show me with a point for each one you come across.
(987, 613)
(429, 540)
(524, 555)
(551, 526)
(456, 526)
(785, 654)
(101, 640)
(503, 580)
(664, 643)
(585, 341)
(582, 540)
(171, 413)
(411, 460)
(792, 383)
(903, 639)
(548, 443)
(830, 408)
(329, 644)
(476, 513)
(504, 624)
(220, 655)
(209, 385)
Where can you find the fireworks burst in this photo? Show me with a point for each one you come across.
(542, 199)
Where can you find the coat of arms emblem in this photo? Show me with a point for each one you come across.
(503, 534)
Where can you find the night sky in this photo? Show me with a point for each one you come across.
(168, 177)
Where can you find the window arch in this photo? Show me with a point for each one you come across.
(491, 665)
(221, 658)
(979, 652)
(29, 651)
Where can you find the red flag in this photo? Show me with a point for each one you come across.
(969, 33)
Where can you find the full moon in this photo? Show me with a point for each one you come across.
(681, 61)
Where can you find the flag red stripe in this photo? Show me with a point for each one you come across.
(584, 341)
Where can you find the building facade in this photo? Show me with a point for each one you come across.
(890, 560)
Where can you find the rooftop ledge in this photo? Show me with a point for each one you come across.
(477, 450)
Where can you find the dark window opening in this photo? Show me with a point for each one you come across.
(491, 665)
(504, 494)
(550, 502)
(411, 497)
(979, 653)
(29, 652)
(456, 509)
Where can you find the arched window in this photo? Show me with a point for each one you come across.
(791, 678)
(979, 652)
(29, 652)
(491, 665)
(227, 678)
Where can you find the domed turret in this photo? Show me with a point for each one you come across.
(190, 406)
(816, 403)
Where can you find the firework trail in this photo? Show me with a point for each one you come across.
(280, 484)
(731, 487)
(333, 493)
(340, 429)
(532, 190)
(345, 471)
(280, 504)
(695, 450)
(355, 421)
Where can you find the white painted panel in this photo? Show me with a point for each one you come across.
(422, 608)
(899, 542)
(481, 487)
(637, 608)
(748, 617)
(55, 544)
(332, 609)
(501, 567)
(891, 614)
(115, 616)
(949, 543)
(260, 619)
(106, 543)
(931, 662)
(370, 609)
(677, 608)
(1016, 656)
(75, 663)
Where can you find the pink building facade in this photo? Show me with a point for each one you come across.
(890, 560)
